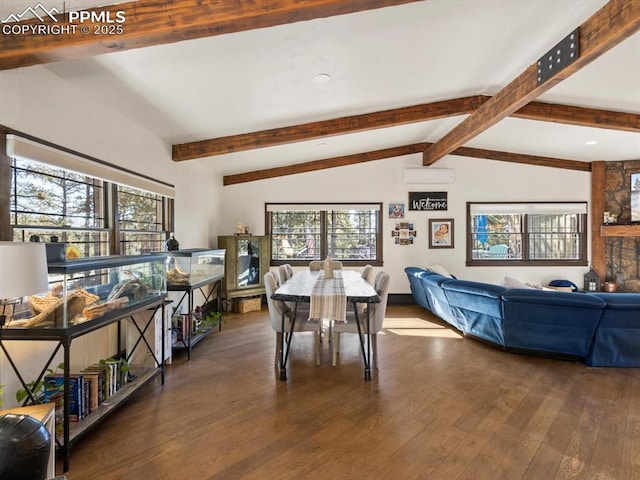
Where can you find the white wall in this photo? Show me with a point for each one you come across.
(39, 103)
(382, 181)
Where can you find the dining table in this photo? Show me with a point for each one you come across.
(345, 287)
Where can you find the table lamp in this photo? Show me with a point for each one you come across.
(23, 271)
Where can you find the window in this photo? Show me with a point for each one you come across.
(48, 201)
(93, 216)
(140, 221)
(527, 233)
(304, 232)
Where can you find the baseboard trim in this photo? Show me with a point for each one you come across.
(400, 299)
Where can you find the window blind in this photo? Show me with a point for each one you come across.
(528, 208)
(27, 149)
(297, 207)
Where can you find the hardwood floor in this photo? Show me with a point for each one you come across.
(440, 407)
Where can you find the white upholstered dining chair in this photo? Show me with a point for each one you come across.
(286, 272)
(367, 274)
(376, 320)
(303, 324)
(315, 265)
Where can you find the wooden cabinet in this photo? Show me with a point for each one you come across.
(246, 261)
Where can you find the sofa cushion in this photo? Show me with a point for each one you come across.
(552, 322)
(477, 307)
(437, 299)
(415, 274)
(618, 334)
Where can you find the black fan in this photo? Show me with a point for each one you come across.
(25, 444)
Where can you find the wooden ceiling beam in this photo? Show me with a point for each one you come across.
(523, 159)
(613, 23)
(156, 22)
(323, 164)
(545, 112)
(580, 116)
(326, 128)
(398, 152)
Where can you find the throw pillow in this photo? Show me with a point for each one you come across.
(437, 268)
(510, 282)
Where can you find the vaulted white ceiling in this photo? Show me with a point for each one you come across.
(392, 57)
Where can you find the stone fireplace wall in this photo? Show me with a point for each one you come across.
(622, 254)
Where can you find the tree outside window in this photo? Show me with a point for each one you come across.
(312, 232)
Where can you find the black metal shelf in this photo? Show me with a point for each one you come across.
(64, 336)
(193, 338)
(78, 429)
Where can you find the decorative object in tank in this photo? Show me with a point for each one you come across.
(56, 252)
(591, 281)
(193, 265)
(172, 244)
(72, 252)
(86, 289)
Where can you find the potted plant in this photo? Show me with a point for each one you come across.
(211, 320)
(35, 390)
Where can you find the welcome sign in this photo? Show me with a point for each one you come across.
(427, 200)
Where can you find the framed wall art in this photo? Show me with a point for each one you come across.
(635, 197)
(396, 210)
(441, 233)
(403, 233)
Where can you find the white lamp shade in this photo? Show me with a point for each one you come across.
(23, 269)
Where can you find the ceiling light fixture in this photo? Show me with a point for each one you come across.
(591, 142)
(321, 78)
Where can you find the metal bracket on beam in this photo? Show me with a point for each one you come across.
(555, 60)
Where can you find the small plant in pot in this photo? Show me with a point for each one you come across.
(35, 389)
(210, 317)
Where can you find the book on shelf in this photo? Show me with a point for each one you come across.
(96, 396)
(54, 384)
(57, 398)
(119, 372)
(105, 379)
(86, 396)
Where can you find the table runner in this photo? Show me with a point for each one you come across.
(328, 298)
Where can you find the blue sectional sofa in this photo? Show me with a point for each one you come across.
(601, 329)
(617, 337)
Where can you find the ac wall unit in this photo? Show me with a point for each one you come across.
(429, 175)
